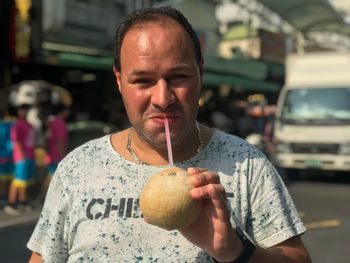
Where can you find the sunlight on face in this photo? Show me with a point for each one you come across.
(159, 78)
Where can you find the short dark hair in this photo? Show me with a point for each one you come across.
(153, 14)
(23, 106)
(58, 108)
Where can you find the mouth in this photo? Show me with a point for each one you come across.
(160, 118)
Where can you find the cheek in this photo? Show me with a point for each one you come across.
(189, 101)
(135, 103)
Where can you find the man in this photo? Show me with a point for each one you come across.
(91, 213)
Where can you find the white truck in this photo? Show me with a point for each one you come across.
(312, 126)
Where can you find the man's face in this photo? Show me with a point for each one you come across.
(159, 78)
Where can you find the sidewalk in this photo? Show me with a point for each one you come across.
(7, 220)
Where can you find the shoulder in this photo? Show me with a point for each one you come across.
(77, 166)
(233, 155)
(58, 120)
(17, 125)
(18, 122)
(98, 144)
(235, 145)
(88, 152)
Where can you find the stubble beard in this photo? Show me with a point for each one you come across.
(158, 142)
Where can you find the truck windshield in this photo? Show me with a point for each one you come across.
(317, 105)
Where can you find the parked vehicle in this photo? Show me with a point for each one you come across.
(312, 126)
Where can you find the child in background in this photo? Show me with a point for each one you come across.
(6, 162)
(23, 141)
(57, 142)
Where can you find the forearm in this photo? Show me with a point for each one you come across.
(35, 258)
(280, 255)
(289, 251)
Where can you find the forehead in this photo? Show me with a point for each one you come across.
(160, 22)
(162, 33)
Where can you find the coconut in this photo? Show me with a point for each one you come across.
(166, 201)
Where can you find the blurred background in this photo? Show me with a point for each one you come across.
(276, 73)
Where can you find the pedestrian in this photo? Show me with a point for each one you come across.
(56, 141)
(91, 212)
(6, 162)
(23, 143)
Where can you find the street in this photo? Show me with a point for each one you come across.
(323, 204)
(13, 241)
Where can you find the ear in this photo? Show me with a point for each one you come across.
(117, 78)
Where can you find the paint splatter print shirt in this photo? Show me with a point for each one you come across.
(91, 213)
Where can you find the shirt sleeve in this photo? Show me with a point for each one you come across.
(50, 236)
(273, 217)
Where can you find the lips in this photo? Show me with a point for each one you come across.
(160, 119)
(161, 116)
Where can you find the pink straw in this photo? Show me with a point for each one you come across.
(168, 142)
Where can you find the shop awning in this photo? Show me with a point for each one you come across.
(253, 69)
(77, 60)
(217, 79)
(309, 15)
(249, 74)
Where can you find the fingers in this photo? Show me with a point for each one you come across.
(201, 177)
(217, 195)
(216, 192)
(206, 184)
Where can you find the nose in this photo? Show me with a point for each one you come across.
(162, 94)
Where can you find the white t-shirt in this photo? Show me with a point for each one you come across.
(91, 213)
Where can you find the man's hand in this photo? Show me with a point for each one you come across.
(212, 231)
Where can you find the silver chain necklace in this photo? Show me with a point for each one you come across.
(138, 159)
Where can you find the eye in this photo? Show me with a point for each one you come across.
(143, 81)
(178, 78)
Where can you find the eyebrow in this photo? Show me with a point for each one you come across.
(138, 72)
(174, 68)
